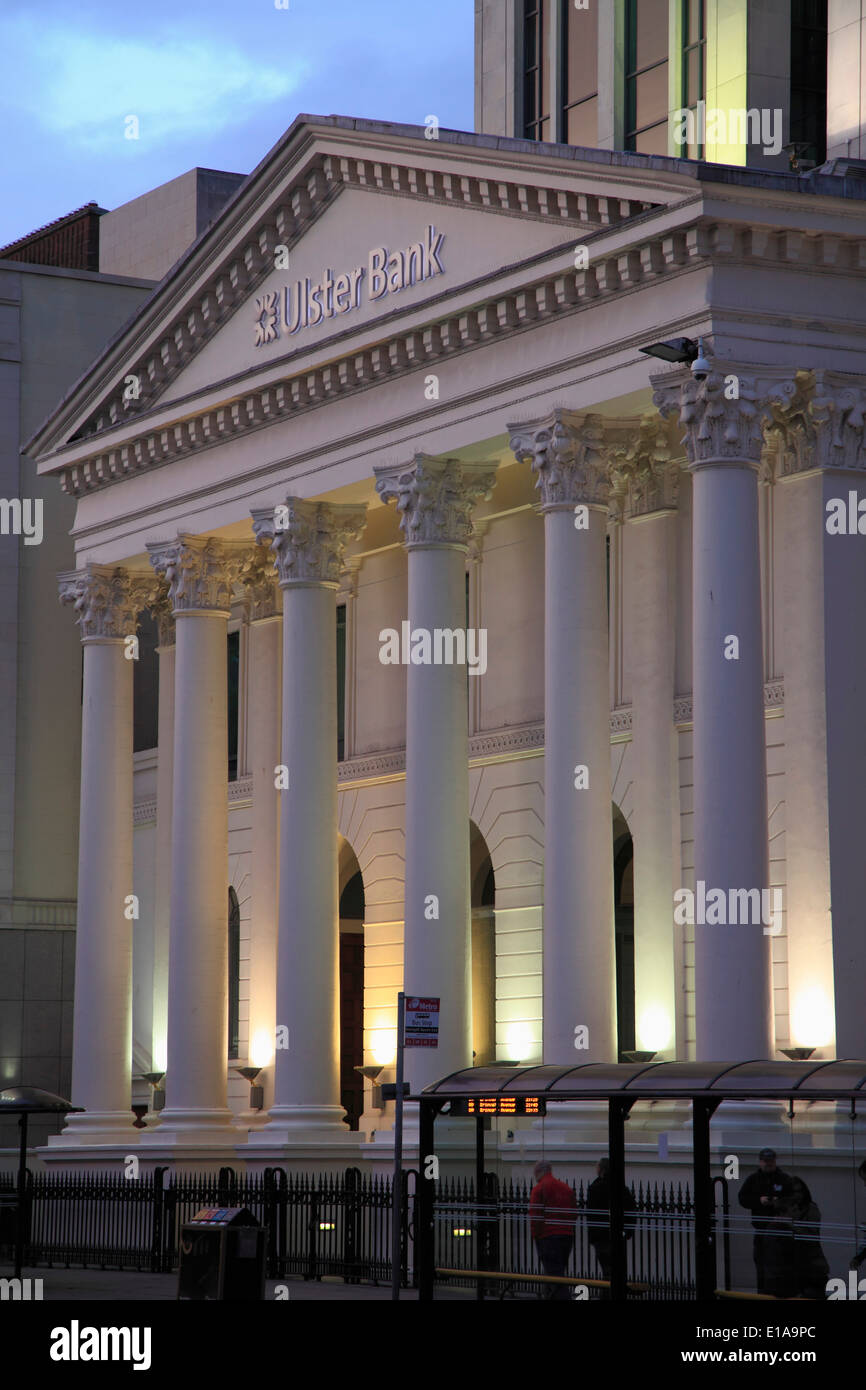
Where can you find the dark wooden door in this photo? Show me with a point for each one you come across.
(351, 1024)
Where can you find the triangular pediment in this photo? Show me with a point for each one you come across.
(376, 225)
(369, 257)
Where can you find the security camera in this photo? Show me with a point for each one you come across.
(701, 367)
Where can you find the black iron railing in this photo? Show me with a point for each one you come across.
(495, 1234)
(335, 1224)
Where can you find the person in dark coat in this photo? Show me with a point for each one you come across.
(809, 1268)
(552, 1215)
(766, 1193)
(598, 1215)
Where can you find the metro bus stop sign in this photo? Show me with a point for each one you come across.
(422, 1022)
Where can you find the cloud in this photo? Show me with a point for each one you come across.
(81, 86)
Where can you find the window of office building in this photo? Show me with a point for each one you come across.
(694, 63)
(646, 76)
(580, 75)
(536, 69)
(809, 78)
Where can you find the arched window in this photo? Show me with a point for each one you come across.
(234, 972)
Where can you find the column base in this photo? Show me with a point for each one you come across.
(252, 1120)
(97, 1127)
(195, 1128)
(308, 1137)
(305, 1124)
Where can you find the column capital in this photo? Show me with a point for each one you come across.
(725, 414)
(161, 611)
(308, 539)
(107, 599)
(476, 541)
(566, 452)
(821, 424)
(435, 497)
(349, 578)
(643, 466)
(200, 571)
(259, 580)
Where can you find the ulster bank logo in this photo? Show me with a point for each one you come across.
(307, 304)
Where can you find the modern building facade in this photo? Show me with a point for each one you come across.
(496, 659)
(616, 75)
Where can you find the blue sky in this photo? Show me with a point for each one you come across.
(212, 82)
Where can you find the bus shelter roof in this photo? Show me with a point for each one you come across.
(806, 1080)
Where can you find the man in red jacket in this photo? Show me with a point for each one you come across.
(552, 1214)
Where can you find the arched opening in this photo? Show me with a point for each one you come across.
(483, 896)
(623, 914)
(351, 986)
(234, 973)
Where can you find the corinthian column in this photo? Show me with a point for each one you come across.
(308, 548)
(566, 455)
(107, 602)
(649, 482)
(162, 611)
(723, 417)
(200, 572)
(263, 730)
(821, 469)
(435, 499)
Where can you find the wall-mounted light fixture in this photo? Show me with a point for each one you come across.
(797, 1054)
(156, 1079)
(638, 1056)
(257, 1093)
(372, 1072)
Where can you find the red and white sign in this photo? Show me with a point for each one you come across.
(422, 1022)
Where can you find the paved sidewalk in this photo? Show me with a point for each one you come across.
(111, 1285)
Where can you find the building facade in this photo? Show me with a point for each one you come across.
(396, 392)
(432, 633)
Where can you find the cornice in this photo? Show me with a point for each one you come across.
(650, 259)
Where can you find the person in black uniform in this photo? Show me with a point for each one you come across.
(767, 1195)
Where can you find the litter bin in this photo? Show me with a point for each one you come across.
(222, 1256)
